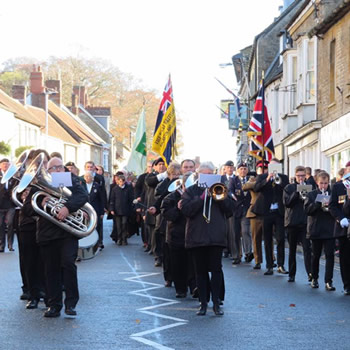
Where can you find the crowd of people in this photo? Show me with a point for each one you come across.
(188, 228)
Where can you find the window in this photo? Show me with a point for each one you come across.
(293, 85)
(310, 72)
(332, 72)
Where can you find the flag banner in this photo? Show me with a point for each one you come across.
(137, 160)
(164, 137)
(261, 142)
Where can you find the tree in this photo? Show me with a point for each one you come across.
(5, 148)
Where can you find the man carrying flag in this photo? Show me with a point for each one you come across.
(137, 160)
(164, 137)
(261, 143)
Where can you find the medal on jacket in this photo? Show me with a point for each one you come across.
(341, 199)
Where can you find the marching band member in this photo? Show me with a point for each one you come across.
(270, 206)
(295, 220)
(320, 230)
(340, 191)
(206, 240)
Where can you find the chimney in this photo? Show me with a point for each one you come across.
(19, 92)
(36, 81)
(54, 85)
(80, 91)
(75, 108)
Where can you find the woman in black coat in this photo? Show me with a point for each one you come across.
(206, 240)
(320, 226)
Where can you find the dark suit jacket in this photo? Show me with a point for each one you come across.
(243, 197)
(269, 193)
(96, 198)
(101, 181)
(5, 193)
(336, 203)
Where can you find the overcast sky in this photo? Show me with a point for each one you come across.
(150, 39)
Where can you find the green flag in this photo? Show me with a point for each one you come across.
(137, 160)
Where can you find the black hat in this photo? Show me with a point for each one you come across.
(70, 164)
(159, 160)
(242, 164)
(4, 160)
(229, 163)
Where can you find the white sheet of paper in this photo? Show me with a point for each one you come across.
(323, 198)
(275, 167)
(206, 180)
(61, 179)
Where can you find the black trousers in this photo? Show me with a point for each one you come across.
(33, 269)
(59, 263)
(273, 223)
(167, 263)
(122, 227)
(208, 259)
(344, 259)
(179, 267)
(328, 246)
(99, 229)
(295, 235)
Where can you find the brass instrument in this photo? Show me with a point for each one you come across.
(303, 190)
(218, 192)
(80, 223)
(325, 201)
(176, 186)
(191, 180)
(276, 178)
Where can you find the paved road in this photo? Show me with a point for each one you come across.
(124, 305)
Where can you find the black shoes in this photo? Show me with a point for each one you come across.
(167, 284)
(281, 270)
(11, 249)
(314, 283)
(249, 257)
(52, 312)
(217, 310)
(119, 242)
(347, 291)
(70, 311)
(125, 242)
(236, 261)
(180, 295)
(268, 272)
(329, 287)
(25, 296)
(291, 279)
(158, 263)
(202, 310)
(32, 304)
(257, 266)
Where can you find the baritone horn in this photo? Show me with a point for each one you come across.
(80, 223)
(218, 192)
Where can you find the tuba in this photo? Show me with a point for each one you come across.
(80, 223)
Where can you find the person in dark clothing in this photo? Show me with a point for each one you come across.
(295, 220)
(206, 239)
(320, 225)
(341, 214)
(152, 180)
(96, 199)
(309, 179)
(7, 209)
(59, 248)
(121, 207)
(270, 206)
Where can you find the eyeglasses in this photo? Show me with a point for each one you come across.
(56, 167)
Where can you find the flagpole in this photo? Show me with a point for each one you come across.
(263, 122)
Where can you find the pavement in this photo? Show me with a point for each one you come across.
(124, 305)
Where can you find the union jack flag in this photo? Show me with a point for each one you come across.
(260, 134)
(164, 137)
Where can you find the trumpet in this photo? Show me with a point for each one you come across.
(176, 186)
(218, 192)
(276, 178)
(325, 201)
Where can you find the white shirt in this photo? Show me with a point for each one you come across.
(89, 186)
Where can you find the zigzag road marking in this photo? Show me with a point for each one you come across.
(148, 286)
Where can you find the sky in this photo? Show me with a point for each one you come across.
(150, 39)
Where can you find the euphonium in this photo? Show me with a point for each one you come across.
(218, 192)
(80, 223)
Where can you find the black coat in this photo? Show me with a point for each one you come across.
(199, 233)
(336, 207)
(269, 193)
(176, 221)
(311, 181)
(294, 207)
(46, 230)
(101, 181)
(5, 193)
(320, 223)
(96, 197)
(242, 203)
(140, 185)
(121, 200)
(151, 182)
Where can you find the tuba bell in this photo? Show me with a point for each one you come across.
(176, 185)
(80, 223)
